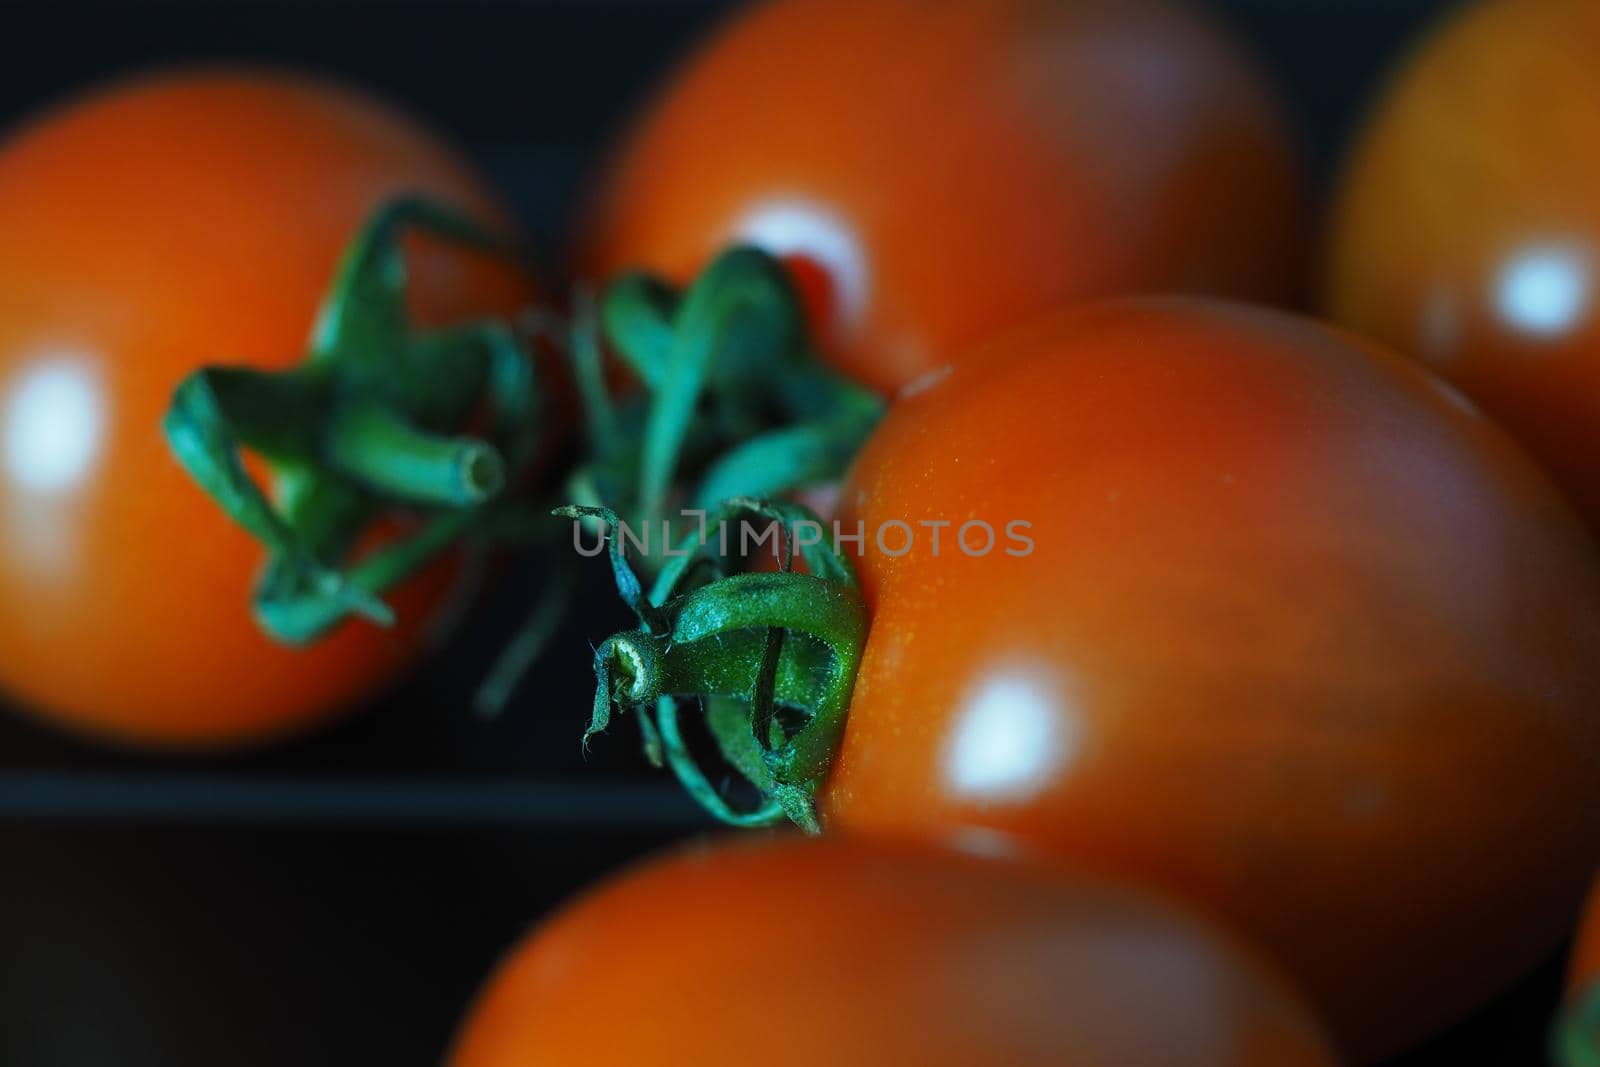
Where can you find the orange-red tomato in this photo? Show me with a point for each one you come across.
(1301, 636)
(938, 169)
(146, 230)
(797, 953)
(1467, 229)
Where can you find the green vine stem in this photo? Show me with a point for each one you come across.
(1575, 1041)
(771, 657)
(369, 424)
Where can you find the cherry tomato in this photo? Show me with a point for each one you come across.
(936, 170)
(1299, 635)
(802, 952)
(1467, 232)
(145, 230)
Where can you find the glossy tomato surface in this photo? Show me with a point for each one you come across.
(1467, 230)
(794, 953)
(145, 230)
(936, 169)
(1300, 636)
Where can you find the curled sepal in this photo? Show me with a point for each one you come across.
(737, 323)
(781, 460)
(736, 401)
(769, 657)
(1575, 1041)
(628, 586)
(369, 425)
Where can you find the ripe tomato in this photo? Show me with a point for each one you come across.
(803, 952)
(935, 170)
(1467, 231)
(1301, 637)
(145, 230)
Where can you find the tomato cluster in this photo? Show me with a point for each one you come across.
(1260, 726)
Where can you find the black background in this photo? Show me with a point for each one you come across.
(335, 900)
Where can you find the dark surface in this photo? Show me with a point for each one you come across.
(335, 899)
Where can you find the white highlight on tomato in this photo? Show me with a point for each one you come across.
(795, 226)
(1545, 290)
(1011, 738)
(53, 423)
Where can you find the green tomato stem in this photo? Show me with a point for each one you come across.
(372, 444)
(736, 401)
(367, 426)
(637, 315)
(739, 319)
(745, 645)
(734, 405)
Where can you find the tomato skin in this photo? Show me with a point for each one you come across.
(1302, 638)
(937, 170)
(147, 229)
(799, 952)
(1466, 227)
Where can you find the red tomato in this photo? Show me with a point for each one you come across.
(1301, 637)
(835, 952)
(146, 230)
(1467, 231)
(935, 170)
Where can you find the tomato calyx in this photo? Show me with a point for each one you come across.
(771, 657)
(368, 426)
(736, 409)
(735, 402)
(1575, 1042)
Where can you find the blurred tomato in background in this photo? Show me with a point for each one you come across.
(147, 229)
(794, 952)
(936, 171)
(1466, 230)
